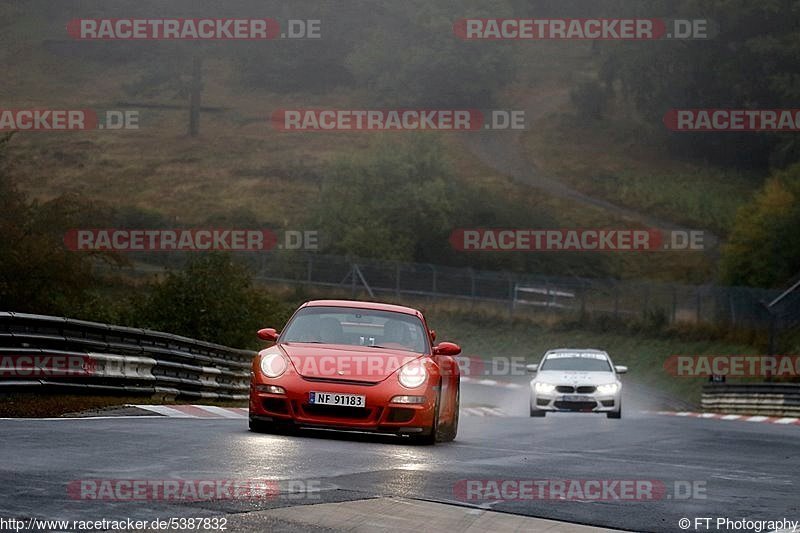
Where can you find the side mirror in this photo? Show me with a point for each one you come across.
(446, 348)
(268, 334)
(433, 334)
(621, 369)
(532, 368)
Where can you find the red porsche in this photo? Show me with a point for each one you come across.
(362, 366)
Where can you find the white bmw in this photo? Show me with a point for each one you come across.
(576, 381)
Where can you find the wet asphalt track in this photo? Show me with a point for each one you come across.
(750, 470)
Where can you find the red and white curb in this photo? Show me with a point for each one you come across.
(490, 383)
(195, 411)
(743, 418)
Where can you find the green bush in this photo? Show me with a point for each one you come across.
(763, 249)
(37, 272)
(212, 299)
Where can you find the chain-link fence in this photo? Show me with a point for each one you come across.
(741, 307)
(667, 302)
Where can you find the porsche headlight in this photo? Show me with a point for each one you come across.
(412, 375)
(609, 388)
(544, 388)
(273, 365)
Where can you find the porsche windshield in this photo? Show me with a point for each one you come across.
(582, 362)
(357, 327)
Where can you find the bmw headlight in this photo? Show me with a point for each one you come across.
(609, 388)
(273, 365)
(544, 388)
(412, 375)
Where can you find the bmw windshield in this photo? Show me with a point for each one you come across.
(580, 362)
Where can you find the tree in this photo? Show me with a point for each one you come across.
(392, 204)
(749, 61)
(212, 299)
(763, 249)
(37, 273)
(414, 58)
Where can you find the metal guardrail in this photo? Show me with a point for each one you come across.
(771, 399)
(122, 360)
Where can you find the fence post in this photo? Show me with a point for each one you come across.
(353, 280)
(772, 348)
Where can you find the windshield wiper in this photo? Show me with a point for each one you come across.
(404, 348)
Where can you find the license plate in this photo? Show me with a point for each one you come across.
(574, 398)
(341, 400)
